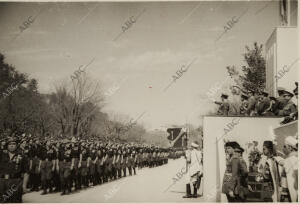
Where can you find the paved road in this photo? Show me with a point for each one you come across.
(149, 185)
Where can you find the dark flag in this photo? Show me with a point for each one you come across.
(177, 137)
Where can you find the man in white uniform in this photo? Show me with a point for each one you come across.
(195, 168)
(188, 163)
(290, 166)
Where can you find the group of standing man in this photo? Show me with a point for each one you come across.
(69, 166)
(281, 174)
(255, 103)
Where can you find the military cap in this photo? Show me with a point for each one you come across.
(239, 149)
(244, 96)
(280, 89)
(264, 93)
(251, 91)
(232, 144)
(287, 93)
(224, 96)
(11, 139)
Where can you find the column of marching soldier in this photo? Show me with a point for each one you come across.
(71, 165)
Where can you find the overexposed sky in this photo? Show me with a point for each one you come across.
(142, 61)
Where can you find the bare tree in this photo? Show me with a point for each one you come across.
(76, 104)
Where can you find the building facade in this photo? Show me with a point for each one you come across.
(281, 50)
(281, 59)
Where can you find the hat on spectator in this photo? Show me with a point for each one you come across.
(287, 93)
(11, 140)
(239, 149)
(234, 145)
(224, 96)
(265, 93)
(291, 141)
(244, 96)
(280, 90)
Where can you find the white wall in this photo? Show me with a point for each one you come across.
(286, 55)
(281, 52)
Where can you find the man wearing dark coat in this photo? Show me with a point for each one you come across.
(231, 178)
(223, 105)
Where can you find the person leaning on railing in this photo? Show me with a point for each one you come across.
(223, 105)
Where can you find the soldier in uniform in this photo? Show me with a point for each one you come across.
(92, 169)
(104, 166)
(223, 105)
(244, 105)
(114, 168)
(125, 161)
(231, 177)
(135, 161)
(289, 107)
(59, 164)
(271, 110)
(84, 163)
(46, 167)
(129, 161)
(65, 168)
(108, 164)
(243, 171)
(280, 100)
(140, 158)
(24, 150)
(166, 156)
(154, 158)
(100, 165)
(118, 163)
(34, 167)
(144, 155)
(263, 103)
(13, 173)
(75, 174)
(56, 178)
(150, 157)
(252, 100)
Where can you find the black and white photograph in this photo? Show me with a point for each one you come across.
(149, 101)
